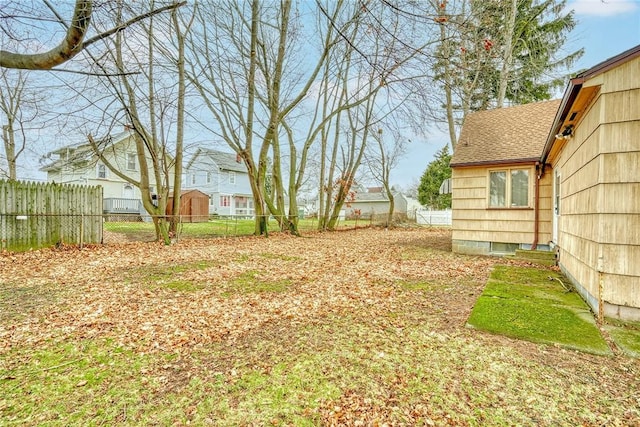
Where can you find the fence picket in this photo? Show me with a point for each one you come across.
(35, 215)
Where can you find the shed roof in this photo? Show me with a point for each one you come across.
(505, 135)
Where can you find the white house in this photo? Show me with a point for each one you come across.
(224, 177)
(367, 202)
(79, 164)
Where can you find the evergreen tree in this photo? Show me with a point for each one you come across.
(437, 171)
(498, 52)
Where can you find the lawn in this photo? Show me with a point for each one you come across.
(532, 304)
(363, 327)
(216, 227)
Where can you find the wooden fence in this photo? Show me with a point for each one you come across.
(35, 215)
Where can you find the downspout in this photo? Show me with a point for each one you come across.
(536, 207)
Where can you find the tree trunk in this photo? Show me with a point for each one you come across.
(8, 135)
(507, 59)
(445, 48)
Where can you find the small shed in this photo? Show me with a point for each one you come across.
(194, 206)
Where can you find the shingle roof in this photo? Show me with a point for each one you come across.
(505, 134)
(224, 160)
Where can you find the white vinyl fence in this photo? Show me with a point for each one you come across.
(427, 217)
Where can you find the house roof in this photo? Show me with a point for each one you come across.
(224, 160)
(370, 197)
(81, 152)
(573, 91)
(505, 135)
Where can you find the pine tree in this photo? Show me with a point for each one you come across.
(498, 52)
(437, 171)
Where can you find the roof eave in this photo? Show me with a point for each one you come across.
(529, 160)
(570, 95)
(574, 87)
(610, 63)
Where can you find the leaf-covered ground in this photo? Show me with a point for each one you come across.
(363, 327)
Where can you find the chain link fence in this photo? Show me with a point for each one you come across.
(33, 231)
(129, 229)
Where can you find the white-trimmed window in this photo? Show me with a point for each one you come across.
(211, 200)
(232, 177)
(102, 171)
(509, 188)
(225, 201)
(193, 179)
(208, 177)
(131, 161)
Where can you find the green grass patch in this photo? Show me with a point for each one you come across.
(626, 335)
(168, 276)
(252, 282)
(210, 229)
(417, 285)
(81, 383)
(216, 227)
(628, 340)
(524, 303)
(302, 375)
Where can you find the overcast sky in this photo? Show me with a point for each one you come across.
(605, 28)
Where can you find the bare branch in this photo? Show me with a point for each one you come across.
(73, 41)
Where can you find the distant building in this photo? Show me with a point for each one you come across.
(79, 164)
(224, 177)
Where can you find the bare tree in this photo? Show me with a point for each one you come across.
(251, 83)
(74, 40)
(272, 112)
(382, 158)
(144, 100)
(12, 99)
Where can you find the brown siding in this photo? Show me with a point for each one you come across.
(472, 221)
(599, 229)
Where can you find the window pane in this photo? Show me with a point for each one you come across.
(131, 161)
(497, 189)
(519, 188)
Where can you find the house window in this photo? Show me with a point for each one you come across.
(241, 202)
(131, 161)
(509, 188)
(208, 177)
(211, 199)
(102, 172)
(225, 201)
(232, 177)
(193, 179)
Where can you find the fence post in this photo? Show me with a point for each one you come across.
(81, 230)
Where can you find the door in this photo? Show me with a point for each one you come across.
(556, 205)
(127, 192)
